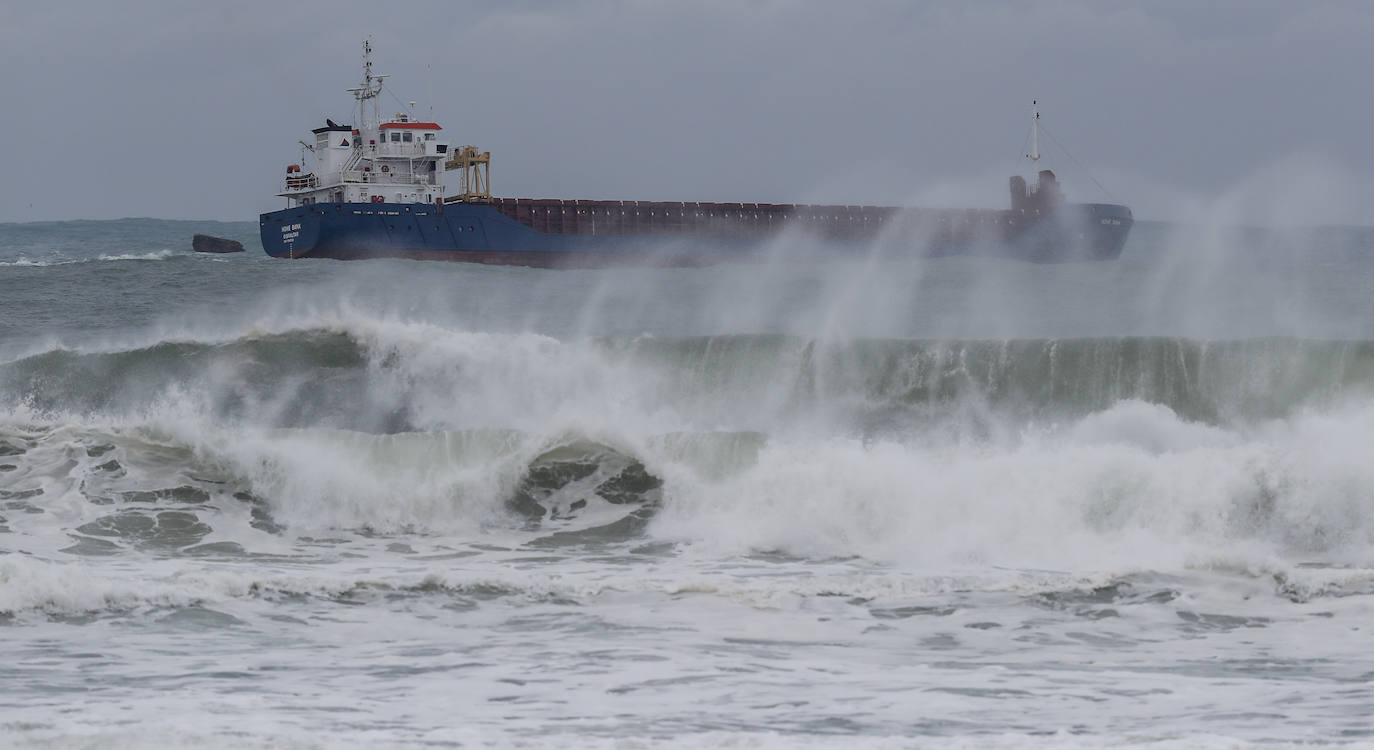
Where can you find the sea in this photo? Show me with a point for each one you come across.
(877, 501)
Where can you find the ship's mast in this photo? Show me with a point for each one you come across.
(370, 88)
(1034, 155)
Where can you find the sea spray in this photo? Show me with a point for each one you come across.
(864, 501)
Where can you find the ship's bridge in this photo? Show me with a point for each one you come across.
(402, 138)
(400, 160)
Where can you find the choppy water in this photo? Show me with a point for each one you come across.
(954, 503)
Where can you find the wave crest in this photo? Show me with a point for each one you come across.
(392, 377)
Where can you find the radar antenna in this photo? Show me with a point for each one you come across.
(370, 88)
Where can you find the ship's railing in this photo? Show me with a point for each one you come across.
(402, 150)
(388, 178)
(304, 182)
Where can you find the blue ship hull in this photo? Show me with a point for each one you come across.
(483, 233)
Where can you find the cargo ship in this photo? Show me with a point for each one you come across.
(376, 190)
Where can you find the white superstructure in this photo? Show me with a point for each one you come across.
(399, 160)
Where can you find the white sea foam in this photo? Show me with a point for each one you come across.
(34, 586)
(41, 262)
(31, 585)
(1181, 497)
(286, 739)
(1135, 483)
(157, 255)
(1131, 487)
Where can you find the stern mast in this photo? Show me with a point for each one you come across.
(1045, 194)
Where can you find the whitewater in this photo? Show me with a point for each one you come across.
(880, 502)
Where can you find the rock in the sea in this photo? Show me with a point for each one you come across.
(204, 243)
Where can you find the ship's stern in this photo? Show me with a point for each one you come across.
(291, 232)
(1103, 229)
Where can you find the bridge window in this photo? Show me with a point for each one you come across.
(395, 137)
(406, 136)
(429, 136)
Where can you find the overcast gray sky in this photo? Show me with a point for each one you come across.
(1260, 109)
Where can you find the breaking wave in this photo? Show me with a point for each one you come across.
(403, 376)
(1156, 453)
(42, 262)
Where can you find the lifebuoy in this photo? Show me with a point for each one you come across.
(385, 168)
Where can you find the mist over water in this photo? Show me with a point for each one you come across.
(953, 502)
